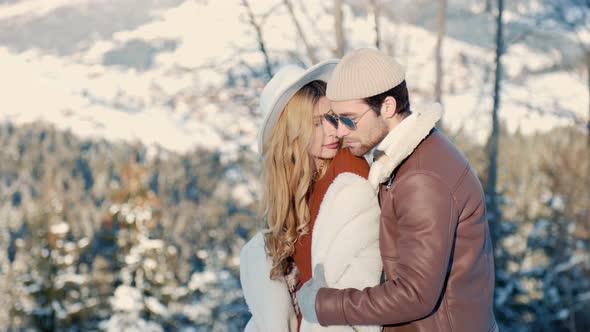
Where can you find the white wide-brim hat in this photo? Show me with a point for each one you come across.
(282, 87)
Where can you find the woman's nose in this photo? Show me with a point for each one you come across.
(329, 129)
(342, 130)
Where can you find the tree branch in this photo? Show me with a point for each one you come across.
(310, 52)
(261, 45)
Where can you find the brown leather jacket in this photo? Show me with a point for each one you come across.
(435, 247)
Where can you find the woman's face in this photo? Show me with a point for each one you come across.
(324, 143)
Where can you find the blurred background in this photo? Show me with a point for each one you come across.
(128, 166)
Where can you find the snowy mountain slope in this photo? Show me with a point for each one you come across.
(178, 74)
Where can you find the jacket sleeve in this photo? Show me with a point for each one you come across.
(424, 230)
(268, 300)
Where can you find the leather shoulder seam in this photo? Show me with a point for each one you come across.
(461, 178)
(432, 175)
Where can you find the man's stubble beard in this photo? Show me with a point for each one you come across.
(376, 136)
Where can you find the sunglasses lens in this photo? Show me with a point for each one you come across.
(348, 122)
(332, 119)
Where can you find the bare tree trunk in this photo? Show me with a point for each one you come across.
(323, 38)
(441, 22)
(310, 51)
(339, 29)
(377, 20)
(571, 303)
(261, 44)
(492, 199)
(588, 73)
(488, 8)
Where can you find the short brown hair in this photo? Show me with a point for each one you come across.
(399, 93)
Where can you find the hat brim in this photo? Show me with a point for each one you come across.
(320, 71)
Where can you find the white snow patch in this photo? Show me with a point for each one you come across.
(61, 228)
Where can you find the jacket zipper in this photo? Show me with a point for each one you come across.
(389, 182)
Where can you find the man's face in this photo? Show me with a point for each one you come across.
(370, 127)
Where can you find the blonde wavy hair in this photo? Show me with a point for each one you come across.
(287, 177)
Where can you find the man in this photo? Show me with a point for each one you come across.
(434, 237)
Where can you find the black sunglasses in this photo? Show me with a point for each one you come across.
(334, 118)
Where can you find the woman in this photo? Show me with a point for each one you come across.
(311, 189)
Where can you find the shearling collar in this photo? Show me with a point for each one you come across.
(401, 142)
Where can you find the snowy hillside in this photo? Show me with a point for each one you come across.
(165, 72)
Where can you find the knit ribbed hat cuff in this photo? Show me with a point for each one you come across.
(364, 73)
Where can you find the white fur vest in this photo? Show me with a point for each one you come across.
(345, 239)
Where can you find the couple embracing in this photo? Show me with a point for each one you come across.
(402, 245)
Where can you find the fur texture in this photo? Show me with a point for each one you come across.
(402, 141)
(345, 239)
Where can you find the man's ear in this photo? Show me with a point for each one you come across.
(388, 107)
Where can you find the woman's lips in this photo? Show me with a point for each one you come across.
(332, 145)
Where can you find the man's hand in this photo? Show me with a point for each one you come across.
(307, 294)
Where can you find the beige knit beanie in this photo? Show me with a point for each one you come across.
(364, 73)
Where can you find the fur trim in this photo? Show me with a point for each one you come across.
(346, 240)
(348, 213)
(402, 141)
